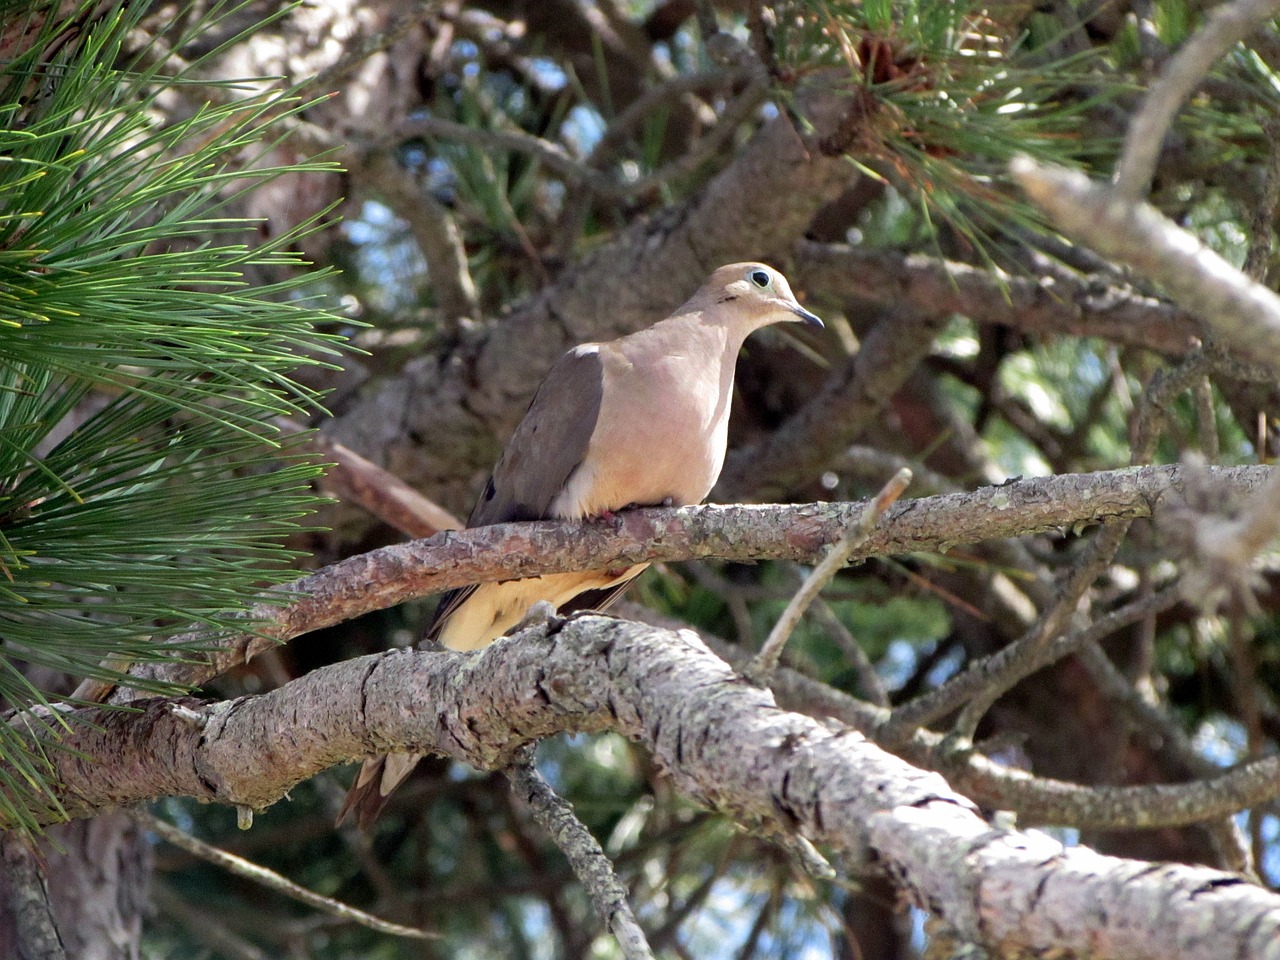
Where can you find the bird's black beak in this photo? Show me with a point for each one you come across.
(807, 318)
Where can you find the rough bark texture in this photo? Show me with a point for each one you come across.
(99, 874)
(391, 575)
(27, 927)
(723, 742)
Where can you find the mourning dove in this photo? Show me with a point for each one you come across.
(639, 421)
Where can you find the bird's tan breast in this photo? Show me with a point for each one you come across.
(661, 435)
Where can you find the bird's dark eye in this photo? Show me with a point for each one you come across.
(760, 278)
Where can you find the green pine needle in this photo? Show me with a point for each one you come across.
(144, 492)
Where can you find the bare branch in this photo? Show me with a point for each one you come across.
(724, 743)
(1244, 314)
(1001, 671)
(1225, 26)
(869, 682)
(1035, 799)
(766, 661)
(391, 575)
(552, 154)
(1096, 557)
(203, 923)
(272, 880)
(590, 864)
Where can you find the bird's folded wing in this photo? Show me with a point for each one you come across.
(548, 445)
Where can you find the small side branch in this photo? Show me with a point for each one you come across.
(590, 864)
(1000, 671)
(761, 669)
(272, 880)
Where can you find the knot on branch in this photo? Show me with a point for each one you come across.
(1216, 536)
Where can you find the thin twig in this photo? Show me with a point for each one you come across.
(766, 661)
(554, 156)
(1206, 420)
(272, 880)
(1225, 26)
(732, 595)
(1003, 669)
(589, 862)
(869, 681)
(658, 96)
(1101, 550)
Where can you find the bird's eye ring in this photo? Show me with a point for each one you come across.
(760, 278)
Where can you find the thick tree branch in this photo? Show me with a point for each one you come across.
(1243, 313)
(1035, 799)
(724, 743)
(391, 575)
(1063, 303)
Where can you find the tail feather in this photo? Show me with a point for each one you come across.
(378, 777)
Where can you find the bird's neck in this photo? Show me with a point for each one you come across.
(709, 344)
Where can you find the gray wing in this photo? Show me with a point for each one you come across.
(548, 445)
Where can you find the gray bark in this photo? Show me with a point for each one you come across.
(724, 743)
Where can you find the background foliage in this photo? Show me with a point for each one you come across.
(144, 491)
(491, 150)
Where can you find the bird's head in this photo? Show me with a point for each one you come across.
(752, 295)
